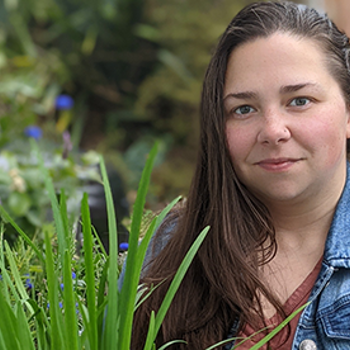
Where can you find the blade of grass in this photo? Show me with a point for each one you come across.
(172, 343)
(41, 323)
(64, 217)
(141, 294)
(54, 203)
(102, 284)
(268, 337)
(145, 242)
(147, 237)
(242, 340)
(71, 329)
(166, 210)
(178, 278)
(8, 329)
(150, 333)
(132, 289)
(8, 282)
(99, 242)
(55, 314)
(23, 331)
(3, 268)
(2, 342)
(17, 277)
(89, 273)
(101, 304)
(129, 289)
(110, 338)
(6, 217)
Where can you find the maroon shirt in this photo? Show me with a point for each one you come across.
(299, 297)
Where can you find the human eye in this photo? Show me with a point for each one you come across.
(299, 101)
(244, 110)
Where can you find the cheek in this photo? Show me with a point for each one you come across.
(239, 142)
(326, 135)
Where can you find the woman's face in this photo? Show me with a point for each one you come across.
(287, 120)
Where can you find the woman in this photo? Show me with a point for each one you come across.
(271, 181)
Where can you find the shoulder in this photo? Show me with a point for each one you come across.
(161, 238)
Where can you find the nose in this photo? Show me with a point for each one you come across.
(274, 129)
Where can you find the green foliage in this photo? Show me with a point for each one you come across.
(28, 324)
(22, 182)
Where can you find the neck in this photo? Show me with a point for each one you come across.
(305, 224)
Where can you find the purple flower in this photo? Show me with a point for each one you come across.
(62, 286)
(124, 246)
(33, 131)
(64, 102)
(74, 276)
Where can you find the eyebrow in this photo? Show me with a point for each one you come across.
(246, 95)
(293, 88)
(283, 90)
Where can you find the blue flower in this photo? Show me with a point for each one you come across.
(60, 305)
(28, 283)
(124, 246)
(74, 276)
(64, 102)
(33, 131)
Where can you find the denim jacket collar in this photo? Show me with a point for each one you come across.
(337, 249)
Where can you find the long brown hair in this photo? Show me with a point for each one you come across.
(223, 283)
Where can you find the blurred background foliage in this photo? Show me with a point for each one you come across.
(134, 69)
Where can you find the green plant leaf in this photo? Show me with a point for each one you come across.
(23, 332)
(55, 314)
(7, 218)
(16, 276)
(89, 273)
(178, 278)
(111, 333)
(70, 318)
(171, 343)
(150, 334)
(263, 341)
(134, 260)
(8, 326)
(60, 226)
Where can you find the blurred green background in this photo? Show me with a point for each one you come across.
(133, 69)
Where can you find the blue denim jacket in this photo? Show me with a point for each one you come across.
(326, 320)
(325, 323)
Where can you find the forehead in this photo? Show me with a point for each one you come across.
(280, 58)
